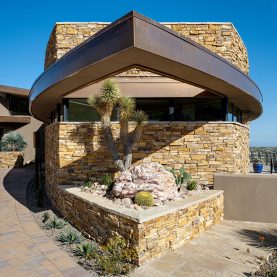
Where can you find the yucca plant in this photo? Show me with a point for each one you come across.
(12, 142)
(86, 250)
(104, 103)
(70, 237)
(55, 223)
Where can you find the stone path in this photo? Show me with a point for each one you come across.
(24, 248)
(231, 248)
(228, 249)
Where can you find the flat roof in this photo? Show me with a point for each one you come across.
(137, 41)
(14, 90)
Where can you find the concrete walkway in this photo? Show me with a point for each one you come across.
(24, 248)
(231, 248)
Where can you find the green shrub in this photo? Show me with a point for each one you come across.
(192, 185)
(70, 237)
(116, 258)
(55, 223)
(144, 198)
(45, 217)
(107, 180)
(181, 176)
(87, 183)
(86, 250)
(272, 273)
(12, 142)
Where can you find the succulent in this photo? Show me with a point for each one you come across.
(45, 217)
(55, 223)
(181, 176)
(144, 198)
(107, 180)
(86, 250)
(192, 185)
(12, 142)
(70, 237)
(87, 183)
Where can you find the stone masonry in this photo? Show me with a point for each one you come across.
(221, 38)
(11, 159)
(149, 232)
(76, 151)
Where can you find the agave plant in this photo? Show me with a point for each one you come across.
(86, 250)
(12, 142)
(104, 103)
(70, 237)
(55, 223)
(181, 176)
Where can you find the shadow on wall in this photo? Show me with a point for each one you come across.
(86, 139)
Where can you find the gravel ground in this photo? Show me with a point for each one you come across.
(269, 267)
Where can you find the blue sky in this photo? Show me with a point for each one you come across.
(26, 26)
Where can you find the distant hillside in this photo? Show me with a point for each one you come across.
(263, 153)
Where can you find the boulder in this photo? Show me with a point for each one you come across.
(152, 177)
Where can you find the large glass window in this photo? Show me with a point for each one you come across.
(19, 105)
(163, 109)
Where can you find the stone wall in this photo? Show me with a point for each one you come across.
(76, 151)
(11, 159)
(221, 38)
(166, 228)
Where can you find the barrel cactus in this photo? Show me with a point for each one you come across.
(144, 198)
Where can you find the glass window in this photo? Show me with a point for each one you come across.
(19, 105)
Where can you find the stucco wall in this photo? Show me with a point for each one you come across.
(249, 198)
(221, 38)
(76, 151)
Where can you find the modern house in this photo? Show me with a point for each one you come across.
(15, 116)
(190, 78)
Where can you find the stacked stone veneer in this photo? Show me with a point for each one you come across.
(11, 159)
(149, 233)
(76, 151)
(221, 38)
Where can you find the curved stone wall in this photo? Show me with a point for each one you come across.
(221, 38)
(76, 151)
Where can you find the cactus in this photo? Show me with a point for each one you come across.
(192, 185)
(144, 198)
(181, 177)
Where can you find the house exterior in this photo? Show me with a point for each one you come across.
(190, 78)
(15, 116)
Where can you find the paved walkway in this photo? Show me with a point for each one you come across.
(228, 249)
(24, 248)
(231, 248)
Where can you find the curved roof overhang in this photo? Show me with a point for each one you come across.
(137, 41)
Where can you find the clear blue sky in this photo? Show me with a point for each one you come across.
(26, 26)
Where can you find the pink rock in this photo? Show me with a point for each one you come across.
(152, 177)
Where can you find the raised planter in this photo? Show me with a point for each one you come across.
(11, 159)
(150, 232)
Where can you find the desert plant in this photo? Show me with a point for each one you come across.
(12, 142)
(181, 176)
(107, 180)
(192, 185)
(144, 198)
(86, 250)
(45, 217)
(55, 223)
(87, 183)
(116, 258)
(272, 273)
(69, 237)
(104, 103)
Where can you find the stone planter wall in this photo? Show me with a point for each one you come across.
(11, 159)
(76, 151)
(149, 232)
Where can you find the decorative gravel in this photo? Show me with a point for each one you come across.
(269, 269)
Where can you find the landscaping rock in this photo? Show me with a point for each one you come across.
(152, 177)
(127, 202)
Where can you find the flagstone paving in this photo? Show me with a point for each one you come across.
(24, 248)
(229, 249)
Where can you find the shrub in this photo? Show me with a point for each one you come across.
(55, 223)
(272, 273)
(45, 217)
(116, 258)
(86, 250)
(192, 185)
(181, 176)
(12, 142)
(144, 198)
(70, 237)
(87, 183)
(107, 180)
